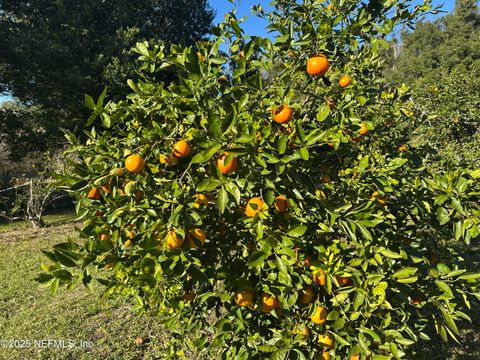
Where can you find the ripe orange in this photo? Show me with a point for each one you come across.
(228, 168)
(173, 240)
(307, 295)
(363, 130)
(128, 244)
(181, 149)
(283, 114)
(269, 302)
(325, 355)
(244, 298)
(308, 261)
(222, 79)
(254, 206)
(318, 65)
(103, 237)
(344, 81)
(94, 194)
(326, 340)
(355, 357)
(189, 296)
(106, 187)
(135, 163)
(344, 281)
(195, 234)
(201, 201)
(319, 316)
(281, 203)
(403, 148)
(381, 199)
(319, 277)
(331, 7)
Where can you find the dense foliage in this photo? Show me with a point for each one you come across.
(267, 206)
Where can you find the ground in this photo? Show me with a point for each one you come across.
(30, 312)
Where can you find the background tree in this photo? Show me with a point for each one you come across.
(440, 61)
(52, 53)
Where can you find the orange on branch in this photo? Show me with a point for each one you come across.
(363, 130)
(134, 163)
(173, 240)
(319, 317)
(318, 65)
(268, 302)
(229, 168)
(244, 298)
(94, 194)
(195, 234)
(181, 149)
(281, 203)
(283, 114)
(326, 340)
(344, 81)
(254, 206)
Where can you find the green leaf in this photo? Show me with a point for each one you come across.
(404, 272)
(222, 199)
(257, 258)
(470, 277)
(89, 103)
(390, 254)
(444, 287)
(233, 189)
(282, 145)
(208, 185)
(303, 153)
(297, 231)
(475, 174)
(205, 155)
(442, 215)
(358, 301)
(323, 112)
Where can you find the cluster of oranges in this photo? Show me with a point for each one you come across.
(317, 66)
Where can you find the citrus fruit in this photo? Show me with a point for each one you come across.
(195, 236)
(344, 81)
(94, 193)
(283, 114)
(326, 340)
(319, 316)
(254, 206)
(281, 203)
(244, 298)
(134, 163)
(173, 240)
(226, 168)
(318, 65)
(181, 149)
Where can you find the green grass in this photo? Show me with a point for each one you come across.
(30, 312)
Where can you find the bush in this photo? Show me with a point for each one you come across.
(265, 212)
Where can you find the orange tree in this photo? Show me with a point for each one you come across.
(264, 205)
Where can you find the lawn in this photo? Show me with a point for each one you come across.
(30, 312)
(108, 329)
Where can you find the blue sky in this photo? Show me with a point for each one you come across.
(256, 26)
